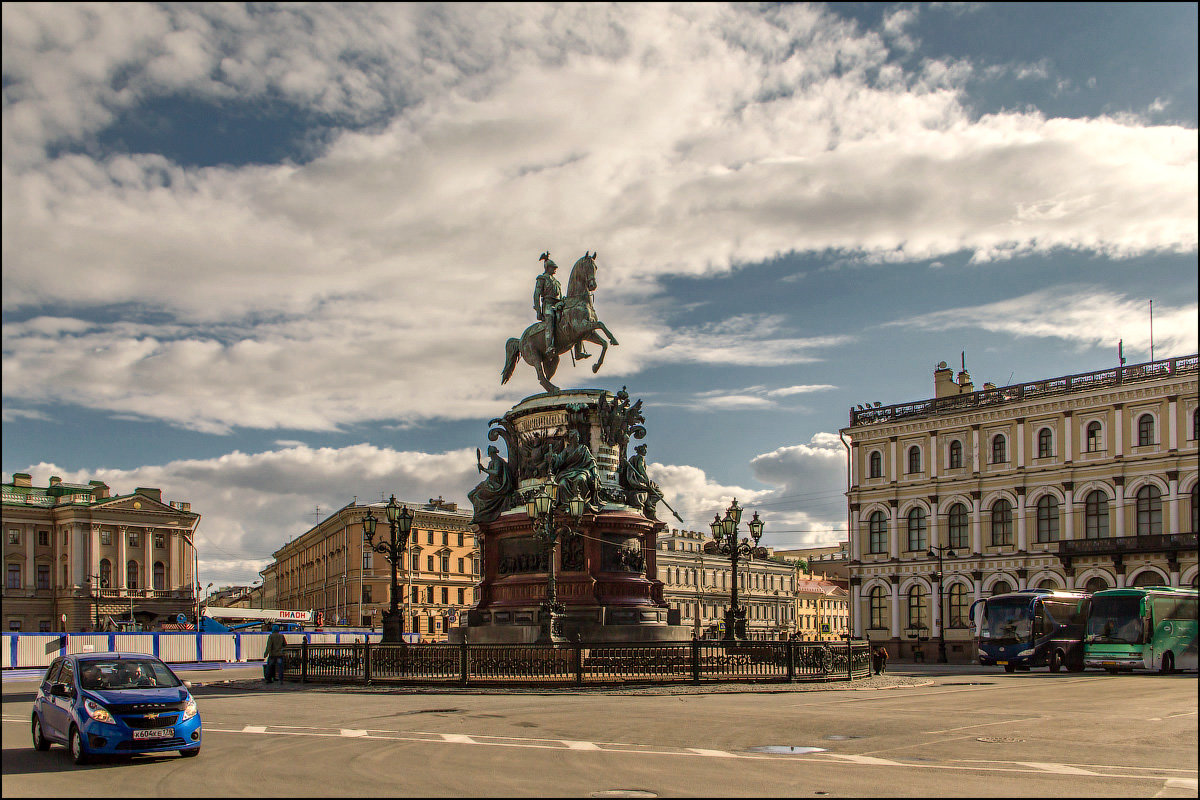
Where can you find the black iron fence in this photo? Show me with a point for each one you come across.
(577, 663)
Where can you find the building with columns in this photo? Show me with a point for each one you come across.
(77, 558)
(1081, 481)
(697, 585)
(329, 569)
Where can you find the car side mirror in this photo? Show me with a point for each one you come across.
(187, 685)
(61, 690)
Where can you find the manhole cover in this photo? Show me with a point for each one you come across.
(998, 739)
(623, 793)
(837, 737)
(786, 749)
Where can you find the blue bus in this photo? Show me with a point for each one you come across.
(1033, 628)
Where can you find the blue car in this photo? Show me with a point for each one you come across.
(114, 704)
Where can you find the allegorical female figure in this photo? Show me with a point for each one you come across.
(575, 471)
(491, 495)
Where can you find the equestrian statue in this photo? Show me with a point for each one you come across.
(564, 323)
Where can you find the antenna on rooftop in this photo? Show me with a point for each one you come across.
(316, 516)
(1121, 352)
(1151, 330)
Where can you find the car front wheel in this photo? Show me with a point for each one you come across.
(78, 753)
(40, 742)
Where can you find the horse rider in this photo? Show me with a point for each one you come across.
(548, 303)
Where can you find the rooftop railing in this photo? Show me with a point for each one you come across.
(1027, 391)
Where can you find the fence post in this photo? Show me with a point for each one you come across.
(849, 659)
(578, 645)
(791, 660)
(304, 660)
(367, 662)
(464, 662)
(696, 660)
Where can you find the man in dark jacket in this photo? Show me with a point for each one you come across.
(274, 655)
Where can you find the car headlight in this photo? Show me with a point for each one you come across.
(97, 711)
(190, 710)
(1024, 653)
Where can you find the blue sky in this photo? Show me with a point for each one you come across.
(266, 258)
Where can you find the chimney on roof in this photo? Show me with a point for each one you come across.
(55, 480)
(943, 381)
(99, 489)
(153, 494)
(22, 479)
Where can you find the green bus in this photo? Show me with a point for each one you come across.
(1151, 627)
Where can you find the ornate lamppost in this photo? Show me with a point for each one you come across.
(541, 506)
(400, 521)
(725, 542)
(936, 551)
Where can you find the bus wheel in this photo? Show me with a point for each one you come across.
(1168, 663)
(1009, 668)
(1056, 661)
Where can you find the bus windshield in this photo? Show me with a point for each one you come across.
(1115, 620)
(1008, 620)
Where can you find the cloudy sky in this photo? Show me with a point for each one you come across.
(266, 258)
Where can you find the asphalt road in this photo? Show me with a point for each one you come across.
(967, 731)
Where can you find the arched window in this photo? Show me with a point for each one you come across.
(1148, 578)
(955, 454)
(1048, 583)
(916, 530)
(1002, 523)
(1095, 515)
(160, 575)
(1047, 519)
(878, 608)
(1196, 423)
(1001, 587)
(876, 461)
(916, 607)
(877, 524)
(999, 449)
(105, 573)
(1096, 584)
(957, 521)
(131, 575)
(958, 606)
(1045, 443)
(1145, 430)
(1093, 440)
(1149, 510)
(914, 459)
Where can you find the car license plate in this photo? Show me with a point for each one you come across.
(1108, 663)
(154, 733)
(1002, 663)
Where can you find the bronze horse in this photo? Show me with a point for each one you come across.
(576, 322)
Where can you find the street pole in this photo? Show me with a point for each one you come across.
(725, 542)
(937, 551)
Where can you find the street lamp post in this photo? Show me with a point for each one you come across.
(725, 542)
(400, 521)
(541, 507)
(938, 552)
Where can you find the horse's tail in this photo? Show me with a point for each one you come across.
(512, 349)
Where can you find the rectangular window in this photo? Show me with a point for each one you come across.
(429, 560)
(44, 626)
(134, 539)
(66, 538)
(367, 559)
(416, 624)
(14, 625)
(414, 535)
(445, 596)
(43, 576)
(14, 536)
(460, 539)
(366, 593)
(462, 566)
(445, 563)
(14, 576)
(44, 538)
(105, 537)
(160, 541)
(461, 596)
(429, 538)
(432, 624)
(416, 562)
(475, 567)
(416, 594)
(445, 538)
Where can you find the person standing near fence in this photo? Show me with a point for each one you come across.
(274, 655)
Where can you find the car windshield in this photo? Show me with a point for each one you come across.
(125, 673)
(1115, 620)
(1008, 620)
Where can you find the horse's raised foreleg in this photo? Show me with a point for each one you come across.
(595, 339)
(612, 339)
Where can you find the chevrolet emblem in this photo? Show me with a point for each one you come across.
(151, 716)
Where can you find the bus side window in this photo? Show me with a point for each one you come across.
(1040, 626)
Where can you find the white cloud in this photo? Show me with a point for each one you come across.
(1087, 316)
(808, 508)
(677, 140)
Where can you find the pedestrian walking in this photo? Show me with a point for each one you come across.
(274, 656)
(879, 657)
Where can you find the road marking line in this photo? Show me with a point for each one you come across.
(1182, 783)
(254, 729)
(1058, 769)
(1087, 766)
(1153, 719)
(457, 738)
(1184, 714)
(353, 734)
(580, 745)
(881, 762)
(985, 724)
(713, 753)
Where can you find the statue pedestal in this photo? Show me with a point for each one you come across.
(392, 627)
